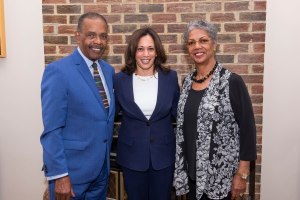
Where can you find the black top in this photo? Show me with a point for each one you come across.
(243, 112)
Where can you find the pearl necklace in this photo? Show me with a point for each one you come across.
(143, 78)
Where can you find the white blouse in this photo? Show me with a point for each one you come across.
(145, 90)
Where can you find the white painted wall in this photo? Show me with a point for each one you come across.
(281, 127)
(20, 112)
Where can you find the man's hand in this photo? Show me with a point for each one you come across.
(63, 189)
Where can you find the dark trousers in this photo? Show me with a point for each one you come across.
(192, 194)
(148, 185)
(95, 190)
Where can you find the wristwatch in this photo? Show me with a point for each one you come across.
(243, 176)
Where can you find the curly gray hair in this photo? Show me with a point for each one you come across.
(203, 25)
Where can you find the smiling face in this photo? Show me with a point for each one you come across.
(92, 38)
(201, 47)
(145, 55)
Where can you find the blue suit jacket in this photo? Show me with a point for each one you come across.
(77, 129)
(141, 140)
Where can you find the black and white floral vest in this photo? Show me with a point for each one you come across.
(216, 129)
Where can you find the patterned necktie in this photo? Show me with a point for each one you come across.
(100, 86)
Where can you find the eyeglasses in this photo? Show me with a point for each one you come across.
(201, 41)
(93, 36)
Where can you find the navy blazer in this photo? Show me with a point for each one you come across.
(141, 140)
(77, 129)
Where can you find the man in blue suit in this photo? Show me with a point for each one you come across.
(78, 122)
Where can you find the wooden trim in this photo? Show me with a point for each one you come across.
(2, 31)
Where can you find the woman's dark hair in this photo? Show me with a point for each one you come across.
(130, 62)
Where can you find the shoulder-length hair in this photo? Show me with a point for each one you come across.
(130, 61)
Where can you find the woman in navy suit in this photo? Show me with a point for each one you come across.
(147, 95)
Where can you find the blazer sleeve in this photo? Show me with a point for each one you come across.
(54, 110)
(243, 112)
(176, 96)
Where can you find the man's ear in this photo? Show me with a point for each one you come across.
(77, 36)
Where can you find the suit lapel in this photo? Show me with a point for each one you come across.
(86, 74)
(128, 93)
(162, 91)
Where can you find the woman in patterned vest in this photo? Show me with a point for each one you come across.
(216, 136)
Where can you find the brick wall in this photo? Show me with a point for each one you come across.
(241, 38)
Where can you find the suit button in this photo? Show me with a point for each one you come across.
(148, 123)
(105, 140)
(151, 140)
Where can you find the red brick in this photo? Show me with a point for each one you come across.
(163, 18)
(225, 58)
(237, 68)
(208, 7)
(257, 110)
(67, 29)
(255, 37)
(48, 29)
(257, 99)
(168, 38)
(236, 27)
(101, 9)
(73, 19)
(119, 49)
(109, 1)
(151, 8)
(260, 5)
(53, 1)
(112, 19)
(138, 1)
(162, 1)
(142, 18)
(235, 48)
(253, 78)
(81, 1)
(66, 49)
(123, 8)
(114, 59)
(259, 48)
(222, 17)
(179, 7)
(49, 49)
(258, 69)
(257, 89)
(171, 59)
(115, 39)
(60, 19)
(48, 9)
(192, 17)
(251, 58)
(177, 48)
(159, 28)
(258, 26)
(55, 39)
(253, 16)
(226, 38)
(68, 9)
(176, 28)
(124, 28)
(236, 6)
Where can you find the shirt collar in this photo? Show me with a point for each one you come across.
(87, 61)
